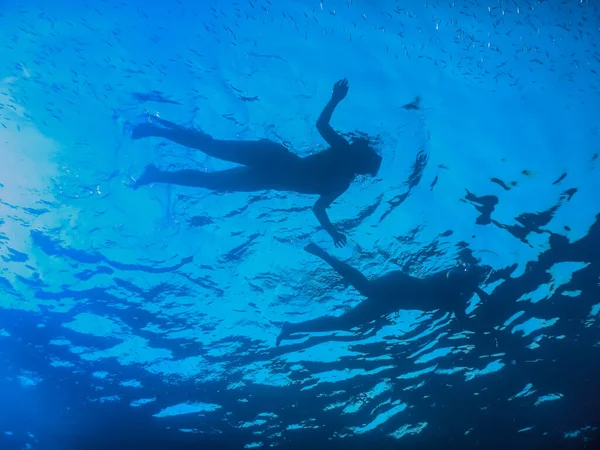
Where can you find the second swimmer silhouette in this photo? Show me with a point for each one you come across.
(266, 165)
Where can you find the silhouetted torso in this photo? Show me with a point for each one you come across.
(397, 290)
(322, 173)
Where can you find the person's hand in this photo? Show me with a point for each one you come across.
(340, 89)
(313, 249)
(338, 239)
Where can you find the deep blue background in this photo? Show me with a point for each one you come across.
(148, 319)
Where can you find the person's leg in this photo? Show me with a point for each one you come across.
(320, 324)
(353, 318)
(260, 153)
(239, 179)
(349, 274)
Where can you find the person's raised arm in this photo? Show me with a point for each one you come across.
(349, 274)
(320, 210)
(340, 89)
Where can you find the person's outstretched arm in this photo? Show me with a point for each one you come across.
(348, 273)
(340, 89)
(320, 210)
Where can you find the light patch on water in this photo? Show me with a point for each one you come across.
(472, 305)
(132, 351)
(418, 373)
(535, 343)
(525, 392)
(437, 353)
(60, 342)
(577, 433)
(4, 333)
(595, 310)
(102, 374)
(562, 273)
(406, 430)
(95, 325)
(12, 302)
(571, 293)
(256, 423)
(379, 389)
(525, 429)
(433, 327)
(380, 419)
(259, 373)
(353, 408)
(429, 345)
(142, 401)
(450, 371)
(192, 367)
(131, 383)
(78, 350)
(334, 406)
(331, 394)
(187, 408)
(29, 379)
(378, 358)
(542, 292)
(514, 317)
(413, 387)
(403, 322)
(334, 376)
(153, 328)
(492, 367)
(223, 349)
(489, 289)
(62, 305)
(60, 363)
(548, 398)
(326, 353)
(254, 445)
(236, 385)
(534, 324)
(108, 399)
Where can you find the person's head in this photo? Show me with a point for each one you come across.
(466, 278)
(367, 159)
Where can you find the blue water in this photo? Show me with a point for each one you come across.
(148, 318)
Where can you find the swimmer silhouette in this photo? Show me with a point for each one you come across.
(267, 165)
(448, 290)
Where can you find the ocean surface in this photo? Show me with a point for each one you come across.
(147, 319)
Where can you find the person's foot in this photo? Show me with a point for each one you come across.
(149, 176)
(130, 127)
(283, 333)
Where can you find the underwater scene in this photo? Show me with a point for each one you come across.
(299, 224)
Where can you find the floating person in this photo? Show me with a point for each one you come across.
(267, 165)
(448, 290)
